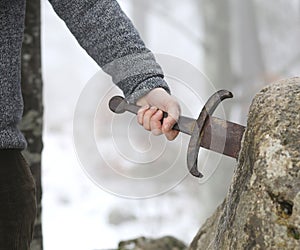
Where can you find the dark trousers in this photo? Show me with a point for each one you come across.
(17, 201)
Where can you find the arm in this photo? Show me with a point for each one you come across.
(109, 37)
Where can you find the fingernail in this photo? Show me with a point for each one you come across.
(153, 108)
(159, 112)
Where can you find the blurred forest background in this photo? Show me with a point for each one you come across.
(240, 45)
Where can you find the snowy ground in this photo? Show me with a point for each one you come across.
(77, 214)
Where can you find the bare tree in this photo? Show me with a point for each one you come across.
(33, 111)
(249, 62)
(249, 55)
(217, 58)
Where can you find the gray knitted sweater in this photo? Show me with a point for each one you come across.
(101, 28)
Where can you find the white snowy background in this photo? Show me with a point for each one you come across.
(77, 213)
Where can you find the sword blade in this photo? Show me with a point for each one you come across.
(218, 135)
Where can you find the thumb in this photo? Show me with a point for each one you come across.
(173, 110)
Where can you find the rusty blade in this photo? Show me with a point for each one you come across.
(233, 136)
(218, 135)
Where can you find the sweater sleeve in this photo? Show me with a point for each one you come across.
(109, 37)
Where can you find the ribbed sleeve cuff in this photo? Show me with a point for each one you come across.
(136, 75)
(145, 87)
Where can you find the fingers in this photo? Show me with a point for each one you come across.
(168, 124)
(141, 113)
(173, 110)
(155, 123)
(150, 119)
(147, 118)
(171, 135)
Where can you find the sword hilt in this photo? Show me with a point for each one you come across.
(119, 105)
(227, 134)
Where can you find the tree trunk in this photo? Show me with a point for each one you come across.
(33, 110)
(248, 59)
(217, 57)
(262, 208)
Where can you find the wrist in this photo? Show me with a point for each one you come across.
(154, 95)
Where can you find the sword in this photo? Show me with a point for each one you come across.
(207, 131)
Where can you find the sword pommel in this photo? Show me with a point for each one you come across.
(117, 104)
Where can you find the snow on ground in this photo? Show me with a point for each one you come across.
(77, 214)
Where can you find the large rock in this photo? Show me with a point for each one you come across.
(262, 208)
(142, 243)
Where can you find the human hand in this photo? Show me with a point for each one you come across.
(151, 113)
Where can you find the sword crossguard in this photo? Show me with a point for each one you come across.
(197, 134)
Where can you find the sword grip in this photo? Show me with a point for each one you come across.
(119, 105)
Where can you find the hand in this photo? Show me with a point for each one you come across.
(151, 113)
